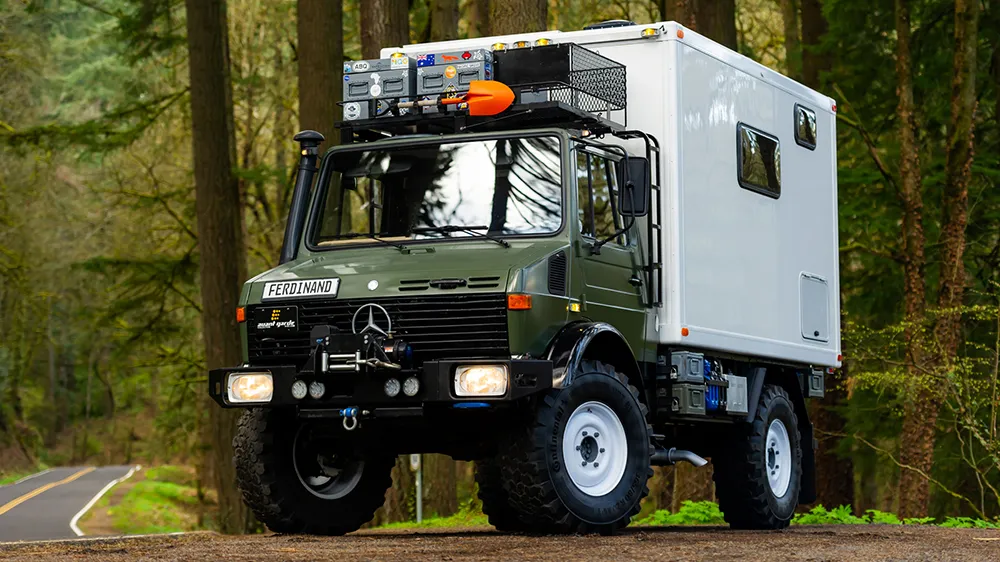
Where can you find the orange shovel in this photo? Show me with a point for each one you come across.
(485, 97)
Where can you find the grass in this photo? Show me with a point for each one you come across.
(707, 513)
(465, 518)
(15, 475)
(163, 500)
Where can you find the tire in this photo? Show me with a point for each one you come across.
(491, 492)
(752, 493)
(268, 476)
(551, 496)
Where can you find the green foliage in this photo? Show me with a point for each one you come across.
(690, 513)
(157, 504)
(463, 519)
(819, 515)
(968, 523)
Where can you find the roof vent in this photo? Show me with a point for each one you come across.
(609, 24)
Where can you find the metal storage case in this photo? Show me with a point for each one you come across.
(367, 81)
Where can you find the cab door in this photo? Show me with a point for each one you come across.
(609, 283)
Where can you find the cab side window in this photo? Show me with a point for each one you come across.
(597, 195)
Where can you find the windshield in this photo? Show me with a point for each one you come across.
(497, 187)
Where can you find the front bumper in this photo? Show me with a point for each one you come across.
(366, 389)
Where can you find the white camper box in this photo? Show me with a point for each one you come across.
(744, 272)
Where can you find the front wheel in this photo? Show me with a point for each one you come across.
(581, 462)
(759, 479)
(293, 483)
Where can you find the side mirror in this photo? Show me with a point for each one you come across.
(633, 187)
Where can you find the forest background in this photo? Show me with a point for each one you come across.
(146, 165)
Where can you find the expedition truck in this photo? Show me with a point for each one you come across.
(628, 261)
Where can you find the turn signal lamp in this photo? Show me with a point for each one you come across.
(481, 380)
(250, 387)
(650, 32)
(241, 314)
(499, 46)
(542, 42)
(518, 302)
(521, 44)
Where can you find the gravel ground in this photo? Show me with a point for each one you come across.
(856, 543)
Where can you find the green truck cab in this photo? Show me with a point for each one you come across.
(531, 291)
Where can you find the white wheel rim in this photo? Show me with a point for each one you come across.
(595, 450)
(778, 458)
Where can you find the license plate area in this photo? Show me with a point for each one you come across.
(276, 319)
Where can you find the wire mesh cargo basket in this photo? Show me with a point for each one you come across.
(566, 73)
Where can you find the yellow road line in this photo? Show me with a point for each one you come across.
(37, 491)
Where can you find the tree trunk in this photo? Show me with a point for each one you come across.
(478, 17)
(440, 486)
(692, 483)
(443, 20)
(814, 27)
(918, 429)
(384, 23)
(400, 496)
(680, 11)
(661, 487)
(793, 45)
(508, 17)
(716, 19)
(321, 67)
(222, 252)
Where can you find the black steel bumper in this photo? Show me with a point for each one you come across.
(366, 389)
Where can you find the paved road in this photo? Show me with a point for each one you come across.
(646, 544)
(43, 506)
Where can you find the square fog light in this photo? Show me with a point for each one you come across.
(481, 380)
(250, 387)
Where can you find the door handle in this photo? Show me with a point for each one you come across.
(635, 281)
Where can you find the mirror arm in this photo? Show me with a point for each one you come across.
(595, 250)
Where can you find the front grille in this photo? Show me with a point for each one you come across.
(436, 327)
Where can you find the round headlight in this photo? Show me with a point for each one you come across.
(299, 389)
(391, 388)
(411, 386)
(316, 389)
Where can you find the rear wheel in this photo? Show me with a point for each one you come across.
(759, 479)
(495, 500)
(293, 483)
(581, 462)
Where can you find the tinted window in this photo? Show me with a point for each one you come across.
(597, 189)
(759, 161)
(805, 127)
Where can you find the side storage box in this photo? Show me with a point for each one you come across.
(687, 367)
(688, 400)
(452, 72)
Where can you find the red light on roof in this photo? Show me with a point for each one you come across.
(834, 108)
(466, 55)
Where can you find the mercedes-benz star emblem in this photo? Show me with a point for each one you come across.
(371, 325)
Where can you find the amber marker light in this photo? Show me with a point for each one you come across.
(680, 34)
(685, 332)
(518, 302)
(241, 314)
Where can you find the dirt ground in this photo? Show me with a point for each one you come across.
(867, 542)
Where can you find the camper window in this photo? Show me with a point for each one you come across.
(759, 161)
(597, 189)
(805, 127)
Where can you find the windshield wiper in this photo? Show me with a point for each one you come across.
(447, 228)
(402, 249)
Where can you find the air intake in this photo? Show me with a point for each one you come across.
(557, 273)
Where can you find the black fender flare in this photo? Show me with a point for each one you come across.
(597, 340)
(790, 382)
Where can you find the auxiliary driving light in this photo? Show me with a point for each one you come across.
(250, 387)
(411, 386)
(299, 389)
(316, 389)
(481, 380)
(391, 388)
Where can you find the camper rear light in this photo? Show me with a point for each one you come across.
(521, 44)
(250, 388)
(542, 42)
(481, 380)
(499, 46)
(650, 32)
(518, 302)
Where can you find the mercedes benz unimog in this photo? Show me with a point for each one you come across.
(568, 257)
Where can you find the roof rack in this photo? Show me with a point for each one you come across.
(554, 114)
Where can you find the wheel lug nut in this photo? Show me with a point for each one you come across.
(596, 434)
(595, 465)
(584, 463)
(602, 450)
(584, 433)
(577, 447)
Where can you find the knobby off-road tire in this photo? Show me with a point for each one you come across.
(271, 486)
(495, 499)
(534, 462)
(748, 479)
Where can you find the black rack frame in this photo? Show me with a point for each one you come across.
(519, 116)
